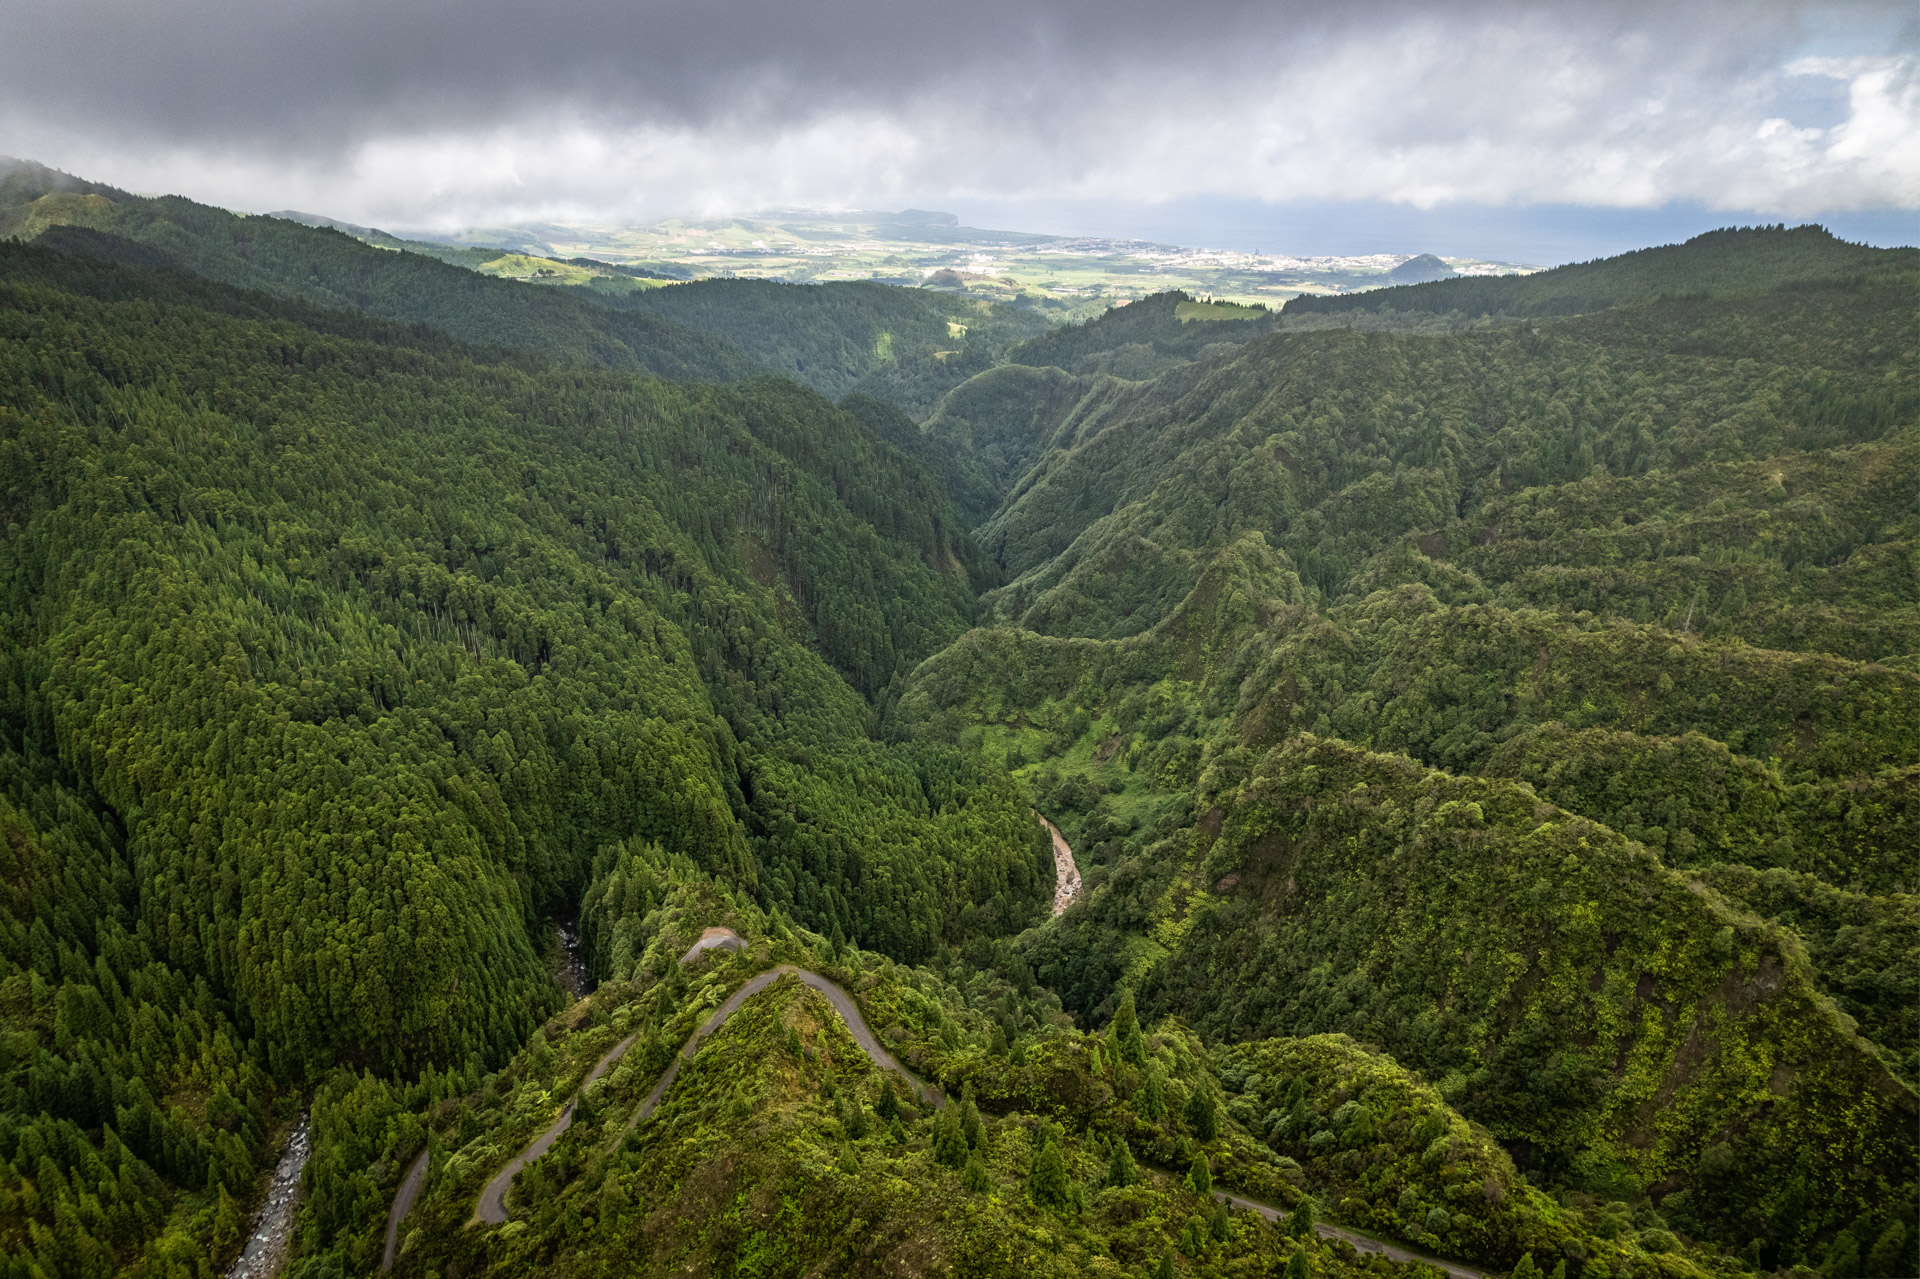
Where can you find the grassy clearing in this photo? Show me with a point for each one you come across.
(1206, 312)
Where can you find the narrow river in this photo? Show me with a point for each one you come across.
(267, 1249)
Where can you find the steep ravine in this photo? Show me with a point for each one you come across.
(1066, 872)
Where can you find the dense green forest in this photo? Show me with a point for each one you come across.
(1484, 713)
(1403, 684)
(1146, 338)
(330, 269)
(1727, 263)
(332, 657)
(780, 1149)
(905, 346)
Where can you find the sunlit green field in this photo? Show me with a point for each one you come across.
(1067, 275)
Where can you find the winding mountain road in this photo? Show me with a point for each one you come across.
(842, 1004)
(1361, 1243)
(493, 1198)
(491, 1209)
(492, 1206)
(402, 1205)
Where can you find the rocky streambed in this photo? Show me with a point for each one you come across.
(1066, 874)
(266, 1249)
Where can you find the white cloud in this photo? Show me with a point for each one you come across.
(1630, 108)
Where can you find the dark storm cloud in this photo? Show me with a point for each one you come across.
(215, 69)
(462, 109)
(225, 69)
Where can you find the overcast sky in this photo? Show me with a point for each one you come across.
(1099, 113)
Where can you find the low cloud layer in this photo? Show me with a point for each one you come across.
(476, 112)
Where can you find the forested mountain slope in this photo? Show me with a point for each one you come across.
(780, 1147)
(907, 346)
(1287, 624)
(1489, 751)
(332, 655)
(1146, 337)
(329, 269)
(987, 432)
(1727, 263)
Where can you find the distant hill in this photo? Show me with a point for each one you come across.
(924, 217)
(1421, 270)
(22, 181)
(1146, 337)
(906, 345)
(370, 235)
(331, 268)
(1717, 264)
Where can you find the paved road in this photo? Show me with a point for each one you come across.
(842, 1004)
(1360, 1242)
(492, 1208)
(402, 1205)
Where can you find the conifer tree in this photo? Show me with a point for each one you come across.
(971, 1126)
(1120, 1167)
(1200, 1176)
(1047, 1183)
(1124, 1033)
(226, 1223)
(1203, 1113)
(1890, 1254)
(1153, 1097)
(949, 1142)
(1297, 1264)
